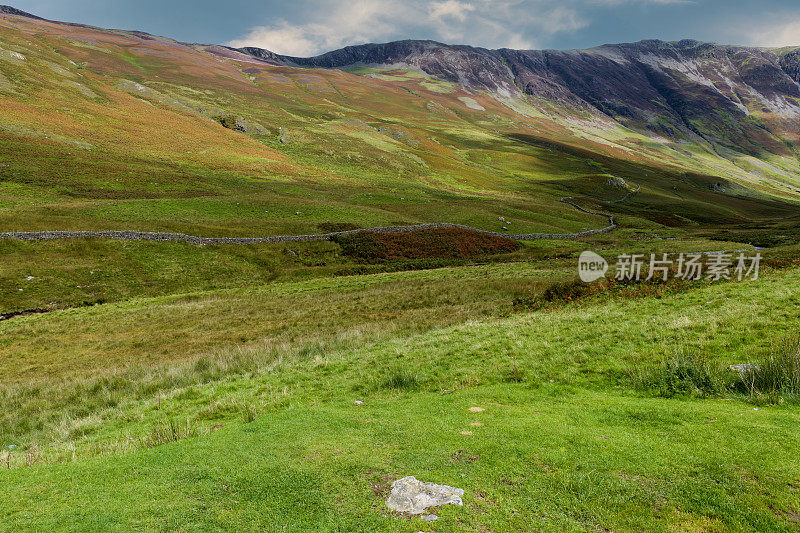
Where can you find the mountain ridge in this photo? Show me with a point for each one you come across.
(736, 96)
(9, 10)
(700, 105)
(320, 58)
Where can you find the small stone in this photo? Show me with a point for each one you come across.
(411, 496)
(476, 409)
(430, 517)
(745, 367)
(476, 424)
(467, 433)
(358, 402)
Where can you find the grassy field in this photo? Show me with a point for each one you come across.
(272, 438)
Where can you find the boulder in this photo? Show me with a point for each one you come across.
(411, 496)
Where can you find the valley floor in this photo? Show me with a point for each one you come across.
(274, 439)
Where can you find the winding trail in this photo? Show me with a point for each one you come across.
(129, 235)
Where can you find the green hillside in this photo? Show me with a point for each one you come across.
(166, 386)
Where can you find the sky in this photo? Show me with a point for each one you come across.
(309, 27)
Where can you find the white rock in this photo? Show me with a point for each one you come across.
(411, 496)
(745, 367)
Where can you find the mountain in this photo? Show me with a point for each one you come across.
(742, 98)
(8, 10)
(111, 129)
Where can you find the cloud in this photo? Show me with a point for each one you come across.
(645, 2)
(776, 35)
(332, 24)
(343, 24)
(282, 37)
(450, 8)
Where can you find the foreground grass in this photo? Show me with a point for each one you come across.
(273, 439)
(596, 343)
(543, 458)
(237, 406)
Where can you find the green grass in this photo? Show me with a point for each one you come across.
(544, 459)
(569, 443)
(316, 311)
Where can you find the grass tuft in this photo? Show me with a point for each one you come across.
(685, 374)
(515, 374)
(169, 430)
(776, 377)
(400, 380)
(249, 413)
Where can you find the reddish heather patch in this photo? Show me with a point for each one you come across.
(431, 243)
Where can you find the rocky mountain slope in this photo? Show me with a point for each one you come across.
(740, 98)
(8, 10)
(124, 130)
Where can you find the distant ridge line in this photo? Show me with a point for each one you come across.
(8, 10)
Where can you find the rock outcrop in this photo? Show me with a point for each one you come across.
(411, 496)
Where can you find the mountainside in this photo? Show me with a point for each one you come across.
(741, 98)
(106, 130)
(8, 10)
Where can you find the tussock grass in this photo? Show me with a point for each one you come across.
(249, 413)
(774, 378)
(71, 407)
(398, 379)
(684, 374)
(170, 430)
(560, 293)
(771, 378)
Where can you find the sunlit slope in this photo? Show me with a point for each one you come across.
(105, 129)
